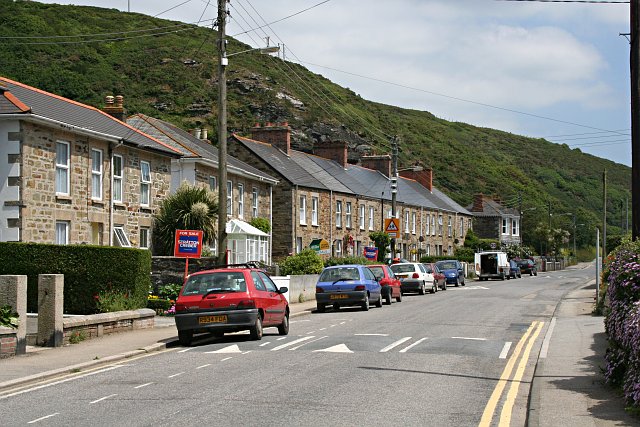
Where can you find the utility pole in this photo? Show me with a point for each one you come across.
(222, 133)
(394, 187)
(546, 247)
(635, 118)
(604, 214)
(574, 236)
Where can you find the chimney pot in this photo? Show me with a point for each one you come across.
(119, 101)
(108, 100)
(204, 133)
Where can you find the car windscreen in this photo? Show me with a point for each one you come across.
(339, 273)
(403, 268)
(218, 282)
(446, 265)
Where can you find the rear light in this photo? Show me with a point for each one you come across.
(416, 276)
(319, 290)
(247, 303)
(359, 288)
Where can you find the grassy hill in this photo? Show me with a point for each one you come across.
(168, 70)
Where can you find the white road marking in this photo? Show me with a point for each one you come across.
(226, 358)
(298, 321)
(547, 339)
(247, 352)
(342, 323)
(185, 350)
(371, 335)
(395, 344)
(311, 332)
(175, 375)
(102, 398)
(308, 342)
(266, 343)
(230, 349)
(294, 342)
(404, 350)
(43, 418)
(468, 338)
(143, 385)
(505, 350)
(340, 348)
(283, 338)
(322, 329)
(332, 326)
(203, 366)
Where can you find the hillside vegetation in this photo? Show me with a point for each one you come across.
(170, 73)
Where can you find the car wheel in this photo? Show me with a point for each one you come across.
(185, 338)
(336, 307)
(320, 308)
(256, 329)
(379, 302)
(283, 328)
(399, 298)
(365, 304)
(535, 274)
(388, 297)
(457, 283)
(502, 277)
(444, 286)
(421, 290)
(434, 288)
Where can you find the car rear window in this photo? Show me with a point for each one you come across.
(218, 282)
(377, 271)
(403, 268)
(428, 268)
(444, 265)
(339, 273)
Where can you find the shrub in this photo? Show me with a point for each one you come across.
(261, 224)
(159, 305)
(306, 262)
(348, 260)
(170, 291)
(8, 317)
(382, 241)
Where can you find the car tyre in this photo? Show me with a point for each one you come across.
(256, 329)
(320, 308)
(444, 286)
(457, 282)
(388, 296)
(379, 302)
(365, 304)
(434, 288)
(399, 298)
(283, 328)
(336, 307)
(421, 290)
(185, 338)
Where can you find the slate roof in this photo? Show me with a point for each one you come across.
(308, 170)
(47, 105)
(189, 145)
(491, 208)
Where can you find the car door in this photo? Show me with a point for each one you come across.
(372, 284)
(261, 296)
(277, 303)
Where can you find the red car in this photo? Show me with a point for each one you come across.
(390, 285)
(230, 299)
(441, 280)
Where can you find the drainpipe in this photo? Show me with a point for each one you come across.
(271, 221)
(296, 220)
(112, 149)
(331, 219)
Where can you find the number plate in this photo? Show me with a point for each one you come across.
(339, 296)
(212, 319)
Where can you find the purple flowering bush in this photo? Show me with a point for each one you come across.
(622, 323)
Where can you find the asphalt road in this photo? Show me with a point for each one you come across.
(461, 357)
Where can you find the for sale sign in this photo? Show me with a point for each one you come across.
(371, 253)
(188, 244)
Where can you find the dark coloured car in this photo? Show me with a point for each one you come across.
(347, 285)
(390, 284)
(441, 281)
(453, 271)
(230, 299)
(528, 266)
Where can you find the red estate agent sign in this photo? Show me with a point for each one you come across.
(188, 244)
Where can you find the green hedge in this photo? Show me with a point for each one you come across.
(348, 260)
(445, 257)
(89, 271)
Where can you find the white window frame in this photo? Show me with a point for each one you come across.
(254, 202)
(449, 227)
(145, 183)
(229, 198)
(240, 200)
(118, 178)
(461, 228)
(347, 212)
(440, 225)
(433, 225)
(406, 221)
(413, 223)
(299, 244)
(213, 183)
(63, 168)
(339, 213)
(145, 242)
(371, 216)
(427, 228)
(96, 174)
(515, 227)
(302, 208)
(314, 210)
(361, 218)
(62, 232)
(505, 226)
(338, 247)
(121, 236)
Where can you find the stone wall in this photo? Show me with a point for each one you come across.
(96, 325)
(8, 342)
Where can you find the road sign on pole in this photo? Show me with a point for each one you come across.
(392, 227)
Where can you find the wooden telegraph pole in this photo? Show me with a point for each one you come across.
(635, 118)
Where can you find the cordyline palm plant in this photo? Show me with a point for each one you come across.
(189, 208)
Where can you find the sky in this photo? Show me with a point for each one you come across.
(558, 71)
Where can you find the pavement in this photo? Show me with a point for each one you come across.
(568, 386)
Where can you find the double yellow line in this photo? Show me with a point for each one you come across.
(507, 408)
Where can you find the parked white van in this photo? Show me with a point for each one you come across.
(492, 265)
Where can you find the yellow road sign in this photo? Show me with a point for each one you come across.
(392, 226)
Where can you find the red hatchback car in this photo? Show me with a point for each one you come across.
(441, 280)
(230, 299)
(390, 285)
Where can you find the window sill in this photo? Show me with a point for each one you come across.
(63, 198)
(99, 203)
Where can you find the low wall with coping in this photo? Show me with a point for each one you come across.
(301, 287)
(78, 328)
(8, 342)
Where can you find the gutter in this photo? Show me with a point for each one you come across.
(64, 126)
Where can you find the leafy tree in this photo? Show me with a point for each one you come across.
(306, 262)
(189, 208)
(382, 240)
(261, 224)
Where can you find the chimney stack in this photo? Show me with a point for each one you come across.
(114, 109)
(204, 134)
(478, 203)
(423, 177)
(379, 163)
(336, 151)
(278, 135)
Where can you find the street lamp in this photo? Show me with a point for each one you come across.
(223, 61)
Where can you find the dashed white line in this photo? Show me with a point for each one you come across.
(505, 350)
(404, 350)
(547, 339)
(309, 342)
(203, 366)
(143, 385)
(175, 375)
(332, 326)
(468, 338)
(185, 350)
(266, 343)
(283, 338)
(395, 344)
(371, 335)
(102, 398)
(322, 329)
(294, 342)
(311, 332)
(43, 418)
(247, 352)
(342, 323)
(226, 358)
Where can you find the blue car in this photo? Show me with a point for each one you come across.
(452, 270)
(347, 285)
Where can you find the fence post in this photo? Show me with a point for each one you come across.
(13, 292)
(50, 307)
